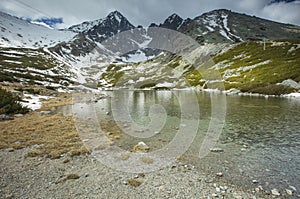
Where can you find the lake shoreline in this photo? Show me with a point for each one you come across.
(79, 175)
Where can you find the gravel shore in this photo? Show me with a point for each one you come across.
(84, 177)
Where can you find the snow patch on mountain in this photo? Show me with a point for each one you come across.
(16, 32)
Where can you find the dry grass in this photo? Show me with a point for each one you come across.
(53, 135)
(62, 99)
(134, 182)
(147, 160)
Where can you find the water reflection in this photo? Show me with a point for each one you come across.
(261, 137)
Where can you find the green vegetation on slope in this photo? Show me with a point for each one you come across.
(30, 66)
(250, 68)
(112, 74)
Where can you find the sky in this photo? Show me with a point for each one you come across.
(144, 12)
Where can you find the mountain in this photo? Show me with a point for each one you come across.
(100, 53)
(218, 26)
(172, 22)
(91, 34)
(226, 26)
(16, 32)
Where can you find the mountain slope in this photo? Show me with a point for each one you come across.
(100, 53)
(30, 66)
(92, 33)
(248, 67)
(16, 32)
(226, 26)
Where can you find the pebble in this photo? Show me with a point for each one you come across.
(214, 195)
(216, 150)
(275, 192)
(220, 174)
(10, 149)
(218, 189)
(292, 187)
(289, 192)
(260, 187)
(254, 181)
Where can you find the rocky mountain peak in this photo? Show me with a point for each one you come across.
(115, 15)
(173, 22)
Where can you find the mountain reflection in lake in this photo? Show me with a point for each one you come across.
(260, 139)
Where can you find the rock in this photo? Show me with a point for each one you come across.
(220, 174)
(275, 192)
(141, 146)
(218, 189)
(289, 192)
(216, 150)
(233, 91)
(292, 187)
(290, 83)
(5, 117)
(18, 115)
(10, 149)
(44, 112)
(214, 195)
(260, 187)
(254, 181)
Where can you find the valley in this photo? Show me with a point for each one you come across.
(188, 108)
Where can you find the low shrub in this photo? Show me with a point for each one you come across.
(9, 103)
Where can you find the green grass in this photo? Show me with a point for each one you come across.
(112, 75)
(282, 65)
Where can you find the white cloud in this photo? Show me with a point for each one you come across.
(283, 12)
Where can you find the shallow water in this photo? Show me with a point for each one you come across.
(260, 138)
